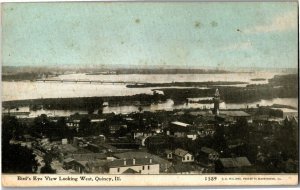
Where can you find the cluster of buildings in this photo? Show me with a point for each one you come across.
(152, 150)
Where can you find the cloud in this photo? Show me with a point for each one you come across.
(238, 46)
(284, 22)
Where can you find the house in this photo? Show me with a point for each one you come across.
(207, 158)
(163, 164)
(71, 164)
(168, 154)
(210, 154)
(67, 163)
(135, 165)
(234, 165)
(96, 166)
(183, 155)
(83, 162)
(87, 162)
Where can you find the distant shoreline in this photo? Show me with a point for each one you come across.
(85, 103)
(258, 79)
(34, 75)
(186, 84)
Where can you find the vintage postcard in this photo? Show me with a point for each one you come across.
(149, 93)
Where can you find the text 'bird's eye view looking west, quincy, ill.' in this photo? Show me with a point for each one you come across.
(149, 93)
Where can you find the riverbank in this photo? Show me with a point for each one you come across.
(84, 103)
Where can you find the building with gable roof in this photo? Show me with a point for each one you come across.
(134, 165)
(234, 165)
(183, 156)
(163, 164)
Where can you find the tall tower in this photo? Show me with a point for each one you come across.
(216, 102)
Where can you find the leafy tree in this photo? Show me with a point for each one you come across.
(61, 128)
(11, 128)
(102, 128)
(85, 126)
(288, 138)
(41, 126)
(219, 140)
(64, 130)
(240, 129)
(47, 167)
(15, 158)
(100, 111)
(121, 132)
(18, 159)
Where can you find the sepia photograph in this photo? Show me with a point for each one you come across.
(149, 93)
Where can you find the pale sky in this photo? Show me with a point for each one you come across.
(225, 34)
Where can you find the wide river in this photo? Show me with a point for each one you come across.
(33, 90)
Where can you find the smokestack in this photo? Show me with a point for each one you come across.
(124, 162)
(133, 161)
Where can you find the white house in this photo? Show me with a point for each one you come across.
(183, 155)
(139, 166)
